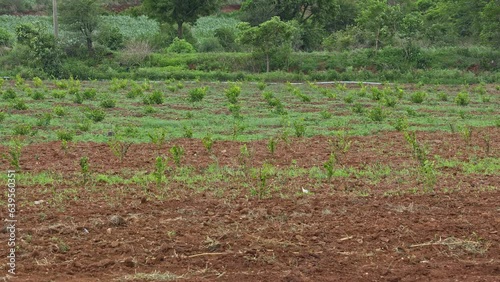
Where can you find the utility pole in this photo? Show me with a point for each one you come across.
(54, 16)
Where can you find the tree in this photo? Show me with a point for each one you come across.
(81, 16)
(43, 46)
(268, 38)
(491, 23)
(179, 11)
(379, 18)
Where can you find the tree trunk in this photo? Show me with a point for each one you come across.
(267, 62)
(90, 45)
(179, 29)
(377, 39)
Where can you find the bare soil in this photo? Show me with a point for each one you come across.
(331, 234)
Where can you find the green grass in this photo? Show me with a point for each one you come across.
(259, 120)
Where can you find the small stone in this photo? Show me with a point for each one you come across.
(39, 202)
(109, 230)
(117, 220)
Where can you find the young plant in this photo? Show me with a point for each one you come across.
(330, 166)
(188, 131)
(271, 145)
(340, 144)
(154, 98)
(265, 172)
(197, 94)
(37, 82)
(462, 98)
(108, 103)
(232, 94)
(85, 169)
(59, 111)
(158, 138)
(208, 142)
(466, 133)
(418, 97)
(96, 115)
(19, 104)
(65, 135)
(177, 152)
(119, 147)
(261, 85)
(300, 128)
(377, 114)
(160, 168)
(14, 153)
(244, 156)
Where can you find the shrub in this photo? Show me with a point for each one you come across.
(38, 95)
(9, 94)
(418, 97)
(65, 135)
(227, 38)
(209, 45)
(58, 94)
(442, 96)
(59, 111)
(44, 120)
(462, 99)
(19, 104)
(197, 94)
(23, 129)
(110, 37)
(358, 108)
(5, 37)
(300, 128)
(232, 94)
(89, 94)
(96, 115)
(390, 101)
(135, 92)
(377, 114)
(108, 103)
(180, 46)
(154, 98)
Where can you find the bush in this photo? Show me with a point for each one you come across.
(180, 46)
(59, 111)
(5, 37)
(197, 94)
(110, 37)
(232, 94)
(96, 115)
(89, 94)
(19, 104)
(418, 97)
(227, 38)
(38, 95)
(9, 94)
(23, 129)
(108, 103)
(210, 45)
(64, 135)
(154, 98)
(462, 99)
(377, 114)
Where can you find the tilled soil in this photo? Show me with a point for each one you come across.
(327, 235)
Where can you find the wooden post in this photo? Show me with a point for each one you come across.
(54, 15)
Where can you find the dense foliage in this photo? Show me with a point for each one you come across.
(381, 35)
